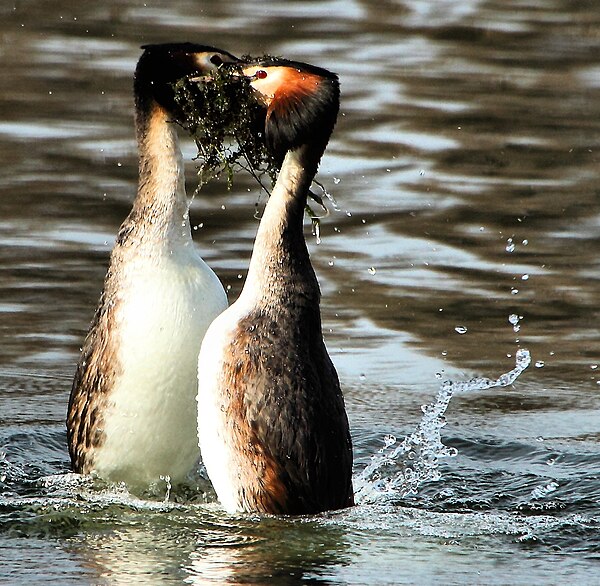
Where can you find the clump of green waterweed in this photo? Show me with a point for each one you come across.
(227, 123)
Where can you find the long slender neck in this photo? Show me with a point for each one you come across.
(280, 264)
(160, 209)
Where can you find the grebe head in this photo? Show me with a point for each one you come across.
(160, 66)
(301, 101)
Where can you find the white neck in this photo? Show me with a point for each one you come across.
(161, 199)
(280, 252)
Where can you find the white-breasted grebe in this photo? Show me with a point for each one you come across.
(132, 409)
(272, 424)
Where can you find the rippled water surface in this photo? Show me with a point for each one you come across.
(466, 168)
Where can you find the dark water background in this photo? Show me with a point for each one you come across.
(466, 167)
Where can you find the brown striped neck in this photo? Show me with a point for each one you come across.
(280, 264)
(160, 209)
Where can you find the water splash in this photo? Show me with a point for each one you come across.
(167, 480)
(399, 469)
(542, 491)
(316, 229)
(326, 193)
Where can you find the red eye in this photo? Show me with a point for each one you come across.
(260, 74)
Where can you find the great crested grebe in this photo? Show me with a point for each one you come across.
(132, 409)
(272, 424)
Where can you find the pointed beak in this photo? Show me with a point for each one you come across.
(209, 76)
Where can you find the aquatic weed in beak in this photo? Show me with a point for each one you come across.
(227, 123)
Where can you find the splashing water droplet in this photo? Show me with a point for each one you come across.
(167, 481)
(540, 364)
(544, 490)
(336, 180)
(460, 329)
(316, 230)
(510, 245)
(401, 471)
(372, 270)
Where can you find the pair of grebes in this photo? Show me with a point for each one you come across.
(167, 366)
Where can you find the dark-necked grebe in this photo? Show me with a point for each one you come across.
(132, 410)
(272, 424)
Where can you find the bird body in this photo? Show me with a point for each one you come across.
(272, 425)
(164, 300)
(132, 409)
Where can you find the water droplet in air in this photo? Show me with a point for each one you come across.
(510, 246)
(460, 329)
(594, 366)
(316, 230)
(372, 270)
(336, 180)
(363, 376)
(331, 263)
(525, 277)
(540, 364)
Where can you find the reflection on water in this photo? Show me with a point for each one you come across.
(465, 165)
